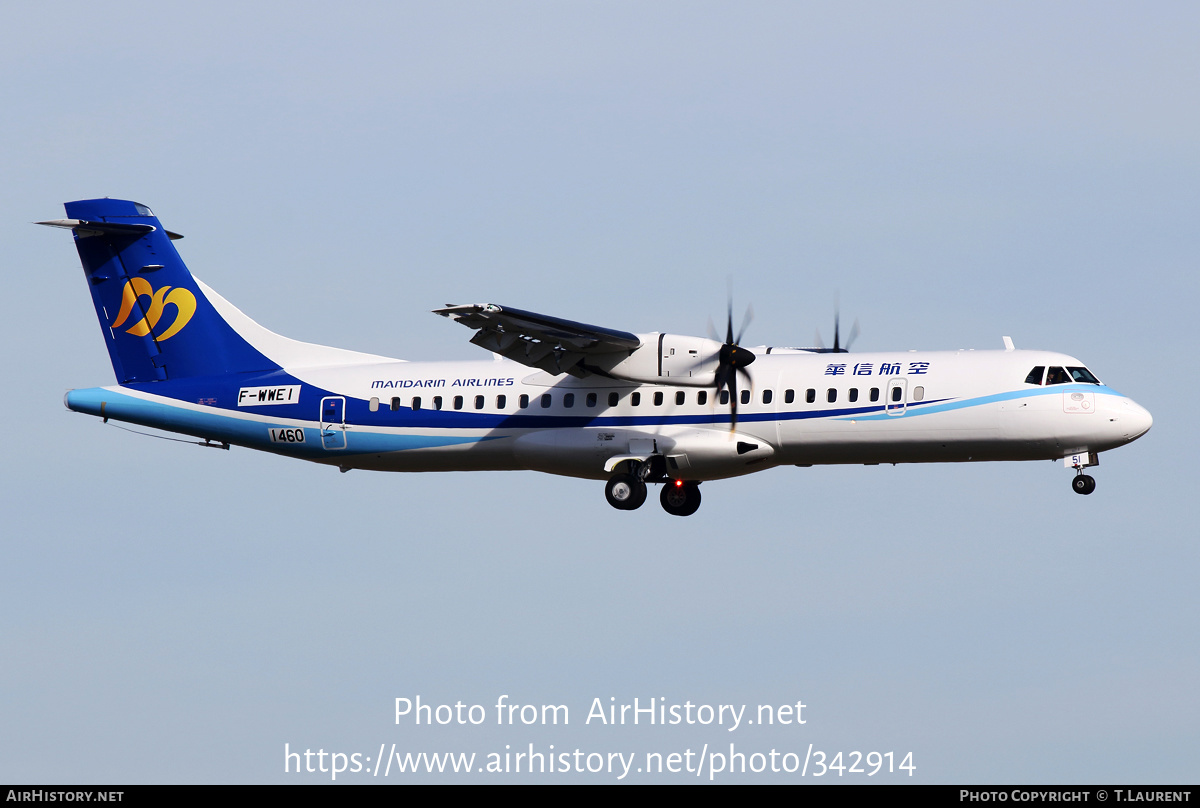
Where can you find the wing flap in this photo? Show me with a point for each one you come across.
(539, 341)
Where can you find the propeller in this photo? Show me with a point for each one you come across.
(837, 347)
(732, 359)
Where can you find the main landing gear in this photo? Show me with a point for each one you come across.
(1083, 483)
(627, 491)
(680, 498)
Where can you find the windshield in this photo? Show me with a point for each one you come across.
(1083, 375)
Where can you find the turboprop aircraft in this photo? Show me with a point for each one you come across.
(564, 397)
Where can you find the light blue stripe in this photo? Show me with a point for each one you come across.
(242, 432)
(983, 400)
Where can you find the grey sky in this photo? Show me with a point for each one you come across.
(956, 171)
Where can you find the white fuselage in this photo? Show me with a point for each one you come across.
(802, 409)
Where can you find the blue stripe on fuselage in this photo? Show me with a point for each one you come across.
(229, 424)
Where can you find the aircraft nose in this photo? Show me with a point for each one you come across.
(1134, 419)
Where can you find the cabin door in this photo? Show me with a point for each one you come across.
(333, 422)
(897, 397)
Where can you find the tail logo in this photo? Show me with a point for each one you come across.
(135, 288)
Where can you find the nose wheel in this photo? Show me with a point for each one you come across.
(1083, 483)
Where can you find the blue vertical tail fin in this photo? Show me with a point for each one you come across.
(157, 322)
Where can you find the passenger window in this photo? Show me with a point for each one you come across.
(789, 396)
(874, 393)
(437, 402)
(479, 402)
(658, 398)
(569, 400)
(501, 400)
(745, 396)
(854, 394)
(546, 401)
(523, 401)
(918, 394)
(591, 399)
(896, 393)
(831, 395)
(458, 402)
(810, 395)
(680, 397)
(767, 396)
(396, 404)
(724, 397)
(1057, 376)
(1035, 375)
(635, 399)
(613, 398)
(373, 405)
(702, 397)
(416, 403)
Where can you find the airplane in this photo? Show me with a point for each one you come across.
(564, 397)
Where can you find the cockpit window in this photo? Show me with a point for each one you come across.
(1035, 375)
(1057, 376)
(1083, 375)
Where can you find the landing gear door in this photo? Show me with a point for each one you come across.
(897, 396)
(333, 422)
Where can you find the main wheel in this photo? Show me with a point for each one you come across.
(680, 500)
(625, 492)
(1083, 484)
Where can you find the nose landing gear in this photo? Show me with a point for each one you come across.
(1083, 483)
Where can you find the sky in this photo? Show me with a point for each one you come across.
(952, 173)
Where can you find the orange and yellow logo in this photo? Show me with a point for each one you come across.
(184, 301)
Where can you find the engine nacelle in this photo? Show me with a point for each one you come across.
(669, 359)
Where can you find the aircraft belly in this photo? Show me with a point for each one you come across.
(909, 438)
(489, 454)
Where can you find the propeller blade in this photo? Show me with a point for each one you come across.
(749, 378)
(733, 402)
(722, 378)
(732, 359)
(854, 332)
(746, 320)
(837, 333)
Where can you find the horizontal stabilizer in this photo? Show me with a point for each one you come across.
(84, 228)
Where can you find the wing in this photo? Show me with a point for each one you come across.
(547, 343)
